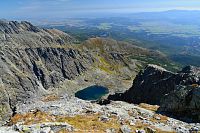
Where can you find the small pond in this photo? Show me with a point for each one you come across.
(92, 93)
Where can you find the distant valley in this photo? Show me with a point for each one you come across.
(175, 33)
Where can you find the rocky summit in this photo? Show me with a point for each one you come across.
(42, 69)
(150, 85)
(176, 93)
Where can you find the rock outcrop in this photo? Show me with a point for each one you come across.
(184, 102)
(151, 85)
(176, 93)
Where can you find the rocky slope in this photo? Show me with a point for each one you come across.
(30, 64)
(37, 61)
(176, 93)
(65, 114)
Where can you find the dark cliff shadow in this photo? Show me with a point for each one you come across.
(183, 116)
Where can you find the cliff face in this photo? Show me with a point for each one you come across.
(176, 93)
(154, 82)
(184, 100)
(33, 60)
(151, 85)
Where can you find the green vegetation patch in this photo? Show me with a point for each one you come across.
(104, 26)
(167, 64)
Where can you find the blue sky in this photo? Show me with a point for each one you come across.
(77, 8)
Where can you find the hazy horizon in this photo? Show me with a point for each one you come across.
(51, 9)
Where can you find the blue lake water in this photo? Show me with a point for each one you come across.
(92, 93)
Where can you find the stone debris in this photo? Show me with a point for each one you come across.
(140, 131)
(104, 118)
(125, 129)
(112, 130)
(150, 130)
(117, 109)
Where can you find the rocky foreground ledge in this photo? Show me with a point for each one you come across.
(177, 94)
(52, 114)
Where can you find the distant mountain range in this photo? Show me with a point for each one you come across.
(174, 32)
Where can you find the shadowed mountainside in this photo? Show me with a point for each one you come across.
(176, 93)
